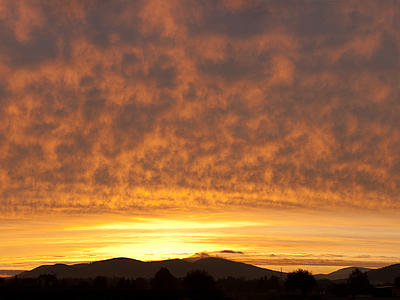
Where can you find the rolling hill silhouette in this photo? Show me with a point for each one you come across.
(339, 274)
(222, 268)
(376, 276)
(217, 267)
(384, 275)
(131, 268)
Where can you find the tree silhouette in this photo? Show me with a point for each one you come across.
(100, 282)
(302, 280)
(274, 283)
(397, 281)
(2, 282)
(163, 280)
(141, 283)
(123, 283)
(84, 285)
(262, 284)
(358, 282)
(199, 280)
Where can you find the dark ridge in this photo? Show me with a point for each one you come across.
(217, 267)
(384, 275)
(131, 268)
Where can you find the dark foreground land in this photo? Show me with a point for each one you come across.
(162, 294)
(197, 285)
(71, 294)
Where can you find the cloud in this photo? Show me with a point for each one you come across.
(298, 259)
(110, 108)
(232, 252)
(206, 254)
(197, 256)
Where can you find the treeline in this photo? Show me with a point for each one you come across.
(195, 285)
(163, 280)
(356, 285)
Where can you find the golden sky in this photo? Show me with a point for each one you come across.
(266, 132)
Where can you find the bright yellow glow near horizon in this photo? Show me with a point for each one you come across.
(267, 241)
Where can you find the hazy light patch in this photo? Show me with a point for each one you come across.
(160, 224)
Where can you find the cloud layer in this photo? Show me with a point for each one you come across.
(146, 105)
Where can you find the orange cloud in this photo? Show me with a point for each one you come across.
(243, 104)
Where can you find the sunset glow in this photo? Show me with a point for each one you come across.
(266, 132)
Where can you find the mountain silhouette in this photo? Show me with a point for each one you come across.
(339, 274)
(384, 275)
(131, 268)
(217, 267)
(222, 268)
(376, 276)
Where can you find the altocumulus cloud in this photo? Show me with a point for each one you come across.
(146, 105)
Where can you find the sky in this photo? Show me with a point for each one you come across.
(266, 132)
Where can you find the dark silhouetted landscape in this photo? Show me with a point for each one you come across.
(131, 268)
(207, 278)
